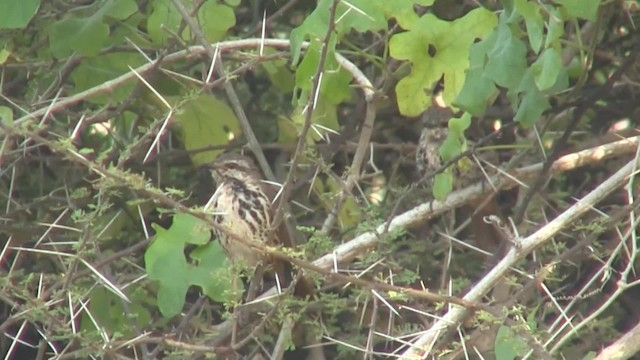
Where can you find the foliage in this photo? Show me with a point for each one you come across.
(110, 107)
(166, 264)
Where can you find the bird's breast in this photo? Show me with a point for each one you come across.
(243, 210)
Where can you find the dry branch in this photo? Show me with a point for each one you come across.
(422, 345)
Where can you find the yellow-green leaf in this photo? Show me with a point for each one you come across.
(205, 121)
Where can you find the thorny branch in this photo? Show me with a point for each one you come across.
(362, 243)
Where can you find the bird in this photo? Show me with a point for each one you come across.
(465, 171)
(433, 135)
(243, 207)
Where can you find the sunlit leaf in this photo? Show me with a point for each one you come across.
(213, 273)
(204, 121)
(350, 212)
(436, 48)
(403, 11)
(4, 55)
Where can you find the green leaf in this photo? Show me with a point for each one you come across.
(171, 295)
(204, 121)
(127, 31)
(163, 16)
(457, 126)
(76, 34)
(215, 19)
(16, 14)
(442, 185)
(403, 11)
(452, 146)
(547, 68)
(531, 102)
(534, 22)
(479, 90)
(166, 263)
(6, 116)
(562, 82)
(279, 74)
(214, 275)
(436, 48)
(108, 311)
(507, 61)
(98, 70)
(87, 35)
(509, 345)
(335, 82)
(585, 9)
(194, 230)
(325, 114)
(555, 26)
(359, 15)
(4, 55)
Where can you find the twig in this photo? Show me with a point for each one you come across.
(310, 108)
(418, 215)
(366, 241)
(361, 150)
(421, 346)
(588, 102)
(192, 51)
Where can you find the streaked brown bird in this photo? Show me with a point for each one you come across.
(243, 206)
(433, 135)
(466, 171)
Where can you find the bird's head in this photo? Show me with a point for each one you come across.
(233, 166)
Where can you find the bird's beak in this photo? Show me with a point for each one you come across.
(209, 166)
